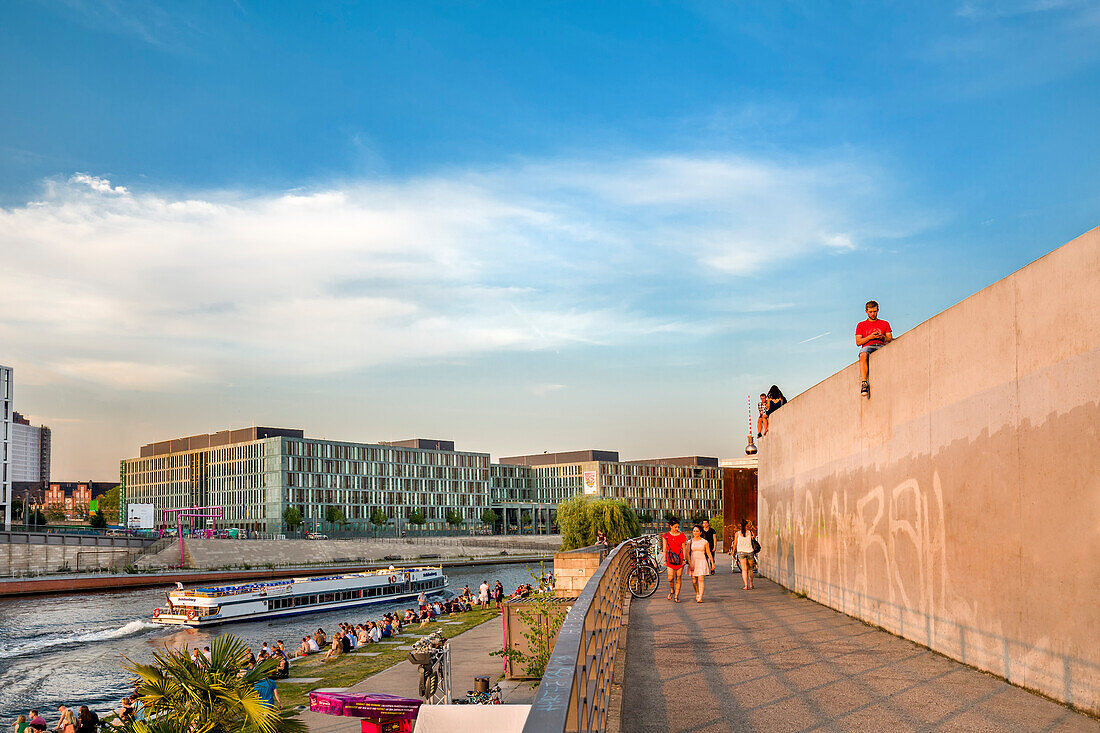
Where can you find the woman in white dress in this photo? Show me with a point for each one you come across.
(700, 561)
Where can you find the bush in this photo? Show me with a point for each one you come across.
(580, 518)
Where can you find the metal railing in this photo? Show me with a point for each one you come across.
(575, 691)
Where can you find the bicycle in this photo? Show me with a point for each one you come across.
(492, 697)
(644, 577)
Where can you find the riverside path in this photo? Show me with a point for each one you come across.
(765, 660)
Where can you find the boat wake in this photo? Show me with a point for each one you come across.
(36, 645)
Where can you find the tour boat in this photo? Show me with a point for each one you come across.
(222, 603)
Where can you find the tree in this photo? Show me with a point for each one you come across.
(335, 515)
(698, 517)
(645, 517)
(379, 519)
(455, 518)
(524, 519)
(35, 517)
(55, 512)
(109, 501)
(581, 517)
(98, 520)
(489, 517)
(671, 517)
(216, 697)
(716, 522)
(292, 518)
(417, 518)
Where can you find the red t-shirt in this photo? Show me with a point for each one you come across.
(866, 327)
(675, 543)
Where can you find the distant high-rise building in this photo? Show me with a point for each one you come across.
(6, 418)
(30, 453)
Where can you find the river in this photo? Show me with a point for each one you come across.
(69, 649)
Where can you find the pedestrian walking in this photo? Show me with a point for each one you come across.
(743, 554)
(700, 561)
(672, 546)
(712, 539)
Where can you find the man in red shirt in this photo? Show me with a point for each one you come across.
(871, 335)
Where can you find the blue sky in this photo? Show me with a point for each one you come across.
(524, 226)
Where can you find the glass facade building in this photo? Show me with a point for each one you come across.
(255, 474)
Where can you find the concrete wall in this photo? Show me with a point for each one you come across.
(32, 553)
(960, 506)
(208, 554)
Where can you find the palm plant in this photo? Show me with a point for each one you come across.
(216, 697)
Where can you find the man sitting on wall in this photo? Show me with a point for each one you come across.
(871, 335)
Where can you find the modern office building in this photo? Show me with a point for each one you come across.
(30, 458)
(654, 487)
(6, 417)
(254, 474)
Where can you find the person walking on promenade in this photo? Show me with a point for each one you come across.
(743, 555)
(712, 539)
(672, 546)
(700, 561)
(871, 335)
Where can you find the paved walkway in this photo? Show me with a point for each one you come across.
(764, 660)
(469, 658)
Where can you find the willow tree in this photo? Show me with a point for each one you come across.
(580, 518)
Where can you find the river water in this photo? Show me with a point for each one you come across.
(69, 649)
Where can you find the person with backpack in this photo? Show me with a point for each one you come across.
(744, 548)
(672, 546)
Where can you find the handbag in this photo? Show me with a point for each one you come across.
(755, 546)
(674, 558)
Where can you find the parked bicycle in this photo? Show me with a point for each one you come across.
(492, 697)
(644, 577)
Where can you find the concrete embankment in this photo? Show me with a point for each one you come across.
(101, 582)
(957, 507)
(222, 554)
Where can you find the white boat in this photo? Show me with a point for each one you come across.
(222, 603)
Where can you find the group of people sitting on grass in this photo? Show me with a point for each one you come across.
(347, 638)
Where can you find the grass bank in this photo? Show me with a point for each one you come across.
(348, 669)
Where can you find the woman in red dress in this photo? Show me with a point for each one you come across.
(672, 546)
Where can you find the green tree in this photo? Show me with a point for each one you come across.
(335, 515)
(524, 519)
(417, 518)
(379, 519)
(216, 697)
(454, 518)
(716, 523)
(35, 517)
(671, 517)
(109, 501)
(542, 615)
(489, 517)
(55, 512)
(98, 520)
(698, 517)
(645, 517)
(581, 517)
(292, 518)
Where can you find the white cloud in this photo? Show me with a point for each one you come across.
(144, 290)
(541, 390)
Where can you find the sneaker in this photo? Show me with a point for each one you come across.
(864, 388)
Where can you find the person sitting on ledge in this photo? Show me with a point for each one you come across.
(871, 335)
